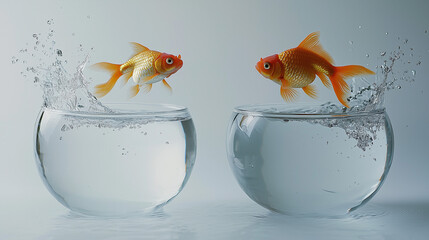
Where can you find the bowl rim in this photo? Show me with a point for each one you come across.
(126, 109)
(291, 111)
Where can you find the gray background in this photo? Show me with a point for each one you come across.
(220, 42)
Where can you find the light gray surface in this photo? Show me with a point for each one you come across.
(216, 220)
(220, 42)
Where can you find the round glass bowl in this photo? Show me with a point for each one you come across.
(309, 164)
(134, 159)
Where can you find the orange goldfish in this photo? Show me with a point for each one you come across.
(146, 67)
(298, 67)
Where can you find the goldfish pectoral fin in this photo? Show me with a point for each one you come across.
(146, 79)
(311, 43)
(324, 80)
(167, 86)
(147, 87)
(137, 74)
(126, 77)
(310, 90)
(288, 94)
(134, 91)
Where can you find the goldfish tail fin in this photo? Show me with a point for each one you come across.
(341, 88)
(102, 89)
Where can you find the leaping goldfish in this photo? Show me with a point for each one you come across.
(146, 67)
(298, 67)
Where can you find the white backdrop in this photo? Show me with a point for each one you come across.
(220, 42)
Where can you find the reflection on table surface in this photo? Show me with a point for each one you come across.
(217, 220)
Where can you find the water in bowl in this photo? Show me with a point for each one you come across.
(305, 164)
(114, 164)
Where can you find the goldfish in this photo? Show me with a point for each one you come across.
(298, 67)
(146, 67)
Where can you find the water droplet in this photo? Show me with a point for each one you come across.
(382, 54)
(406, 41)
(351, 42)
(387, 33)
(426, 31)
(37, 42)
(167, 142)
(89, 17)
(73, 34)
(61, 138)
(418, 63)
(413, 72)
(35, 36)
(50, 21)
(59, 52)
(367, 55)
(36, 79)
(360, 27)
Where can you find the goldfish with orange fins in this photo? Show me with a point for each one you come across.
(145, 67)
(298, 67)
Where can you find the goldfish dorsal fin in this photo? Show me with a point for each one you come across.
(311, 43)
(138, 48)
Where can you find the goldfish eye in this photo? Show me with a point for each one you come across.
(169, 61)
(267, 65)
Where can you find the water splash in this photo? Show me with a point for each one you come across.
(396, 68)
(62, 81)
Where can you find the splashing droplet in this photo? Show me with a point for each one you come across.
(59, 52)
(382, 54)
(50, 21)
(387, 33)
(351, 42)
(413, 72)
(36, 79)
(35, 36)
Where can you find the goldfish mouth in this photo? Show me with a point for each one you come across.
(258, 68)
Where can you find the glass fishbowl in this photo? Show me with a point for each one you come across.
(127, 161)
(307, 162)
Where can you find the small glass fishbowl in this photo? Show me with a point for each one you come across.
(127, 161)
(306, 161)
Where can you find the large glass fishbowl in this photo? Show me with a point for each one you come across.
(129, 160)
(305, 161)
